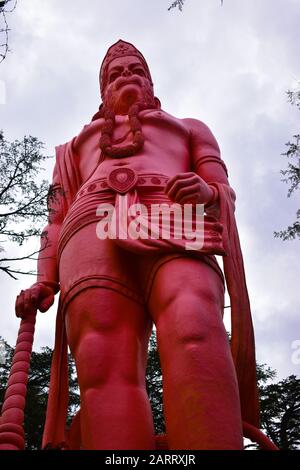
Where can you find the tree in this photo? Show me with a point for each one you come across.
(6, 6)
(154, 386)
(280, 412)
(23, 200)
(292, 173)
(264, 374)
(37, 391)
(177, 3)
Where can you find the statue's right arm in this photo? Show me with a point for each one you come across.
(41, 294)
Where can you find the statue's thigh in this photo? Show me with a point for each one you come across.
(104, 327)
(186, 289)
(186, 304)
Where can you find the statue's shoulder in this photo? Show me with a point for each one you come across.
(171, 119)
(196, 126)
(89, 131)
(200, 132)
(192, 125)
(90, 128)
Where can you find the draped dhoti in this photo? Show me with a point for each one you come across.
(122, 263)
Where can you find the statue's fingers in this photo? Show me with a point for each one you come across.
(19, 307)
(179, 176)
(170, 183)
(173, 180)
(189, 199)
(192, 190)
(35, 293)
(179, 184)
(46, 303)
(27, 302)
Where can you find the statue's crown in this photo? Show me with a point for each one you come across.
(119, 49)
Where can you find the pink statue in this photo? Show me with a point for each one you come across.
(112, 290)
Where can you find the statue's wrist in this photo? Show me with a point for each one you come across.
(52, 284)
(214, 196)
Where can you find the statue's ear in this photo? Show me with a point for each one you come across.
(157, 102)
(98, 114)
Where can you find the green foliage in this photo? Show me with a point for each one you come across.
(264, 374)
(292, 173)
(280, 412)
(154, 385)
(23, 199)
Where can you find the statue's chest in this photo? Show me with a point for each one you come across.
(155, 125)
(164, 136)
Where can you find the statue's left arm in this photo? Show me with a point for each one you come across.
(207, 168)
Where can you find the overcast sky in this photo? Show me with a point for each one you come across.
(228, 66)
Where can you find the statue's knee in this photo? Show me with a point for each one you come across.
(91, 363)
(189, 321)
(102, 360)
(209, 296)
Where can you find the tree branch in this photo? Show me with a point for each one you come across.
(12, 178)
(11, 272)
(5, 29)
(20, 210)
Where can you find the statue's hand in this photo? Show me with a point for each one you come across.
(39, 296)
(189, 188)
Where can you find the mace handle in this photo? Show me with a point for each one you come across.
(12, 416)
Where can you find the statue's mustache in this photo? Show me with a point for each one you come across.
(127, 80)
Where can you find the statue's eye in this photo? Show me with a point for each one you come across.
(139, 71)
(113, 77)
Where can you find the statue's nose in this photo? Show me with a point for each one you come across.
(126, 73)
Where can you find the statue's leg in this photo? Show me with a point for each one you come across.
(108, 335)
(201, 399)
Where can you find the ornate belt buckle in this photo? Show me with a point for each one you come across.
(122, 179)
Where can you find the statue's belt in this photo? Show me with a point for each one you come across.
(122, 180)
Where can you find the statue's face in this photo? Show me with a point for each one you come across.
(127, 83)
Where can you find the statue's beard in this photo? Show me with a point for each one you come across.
(146, 98)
